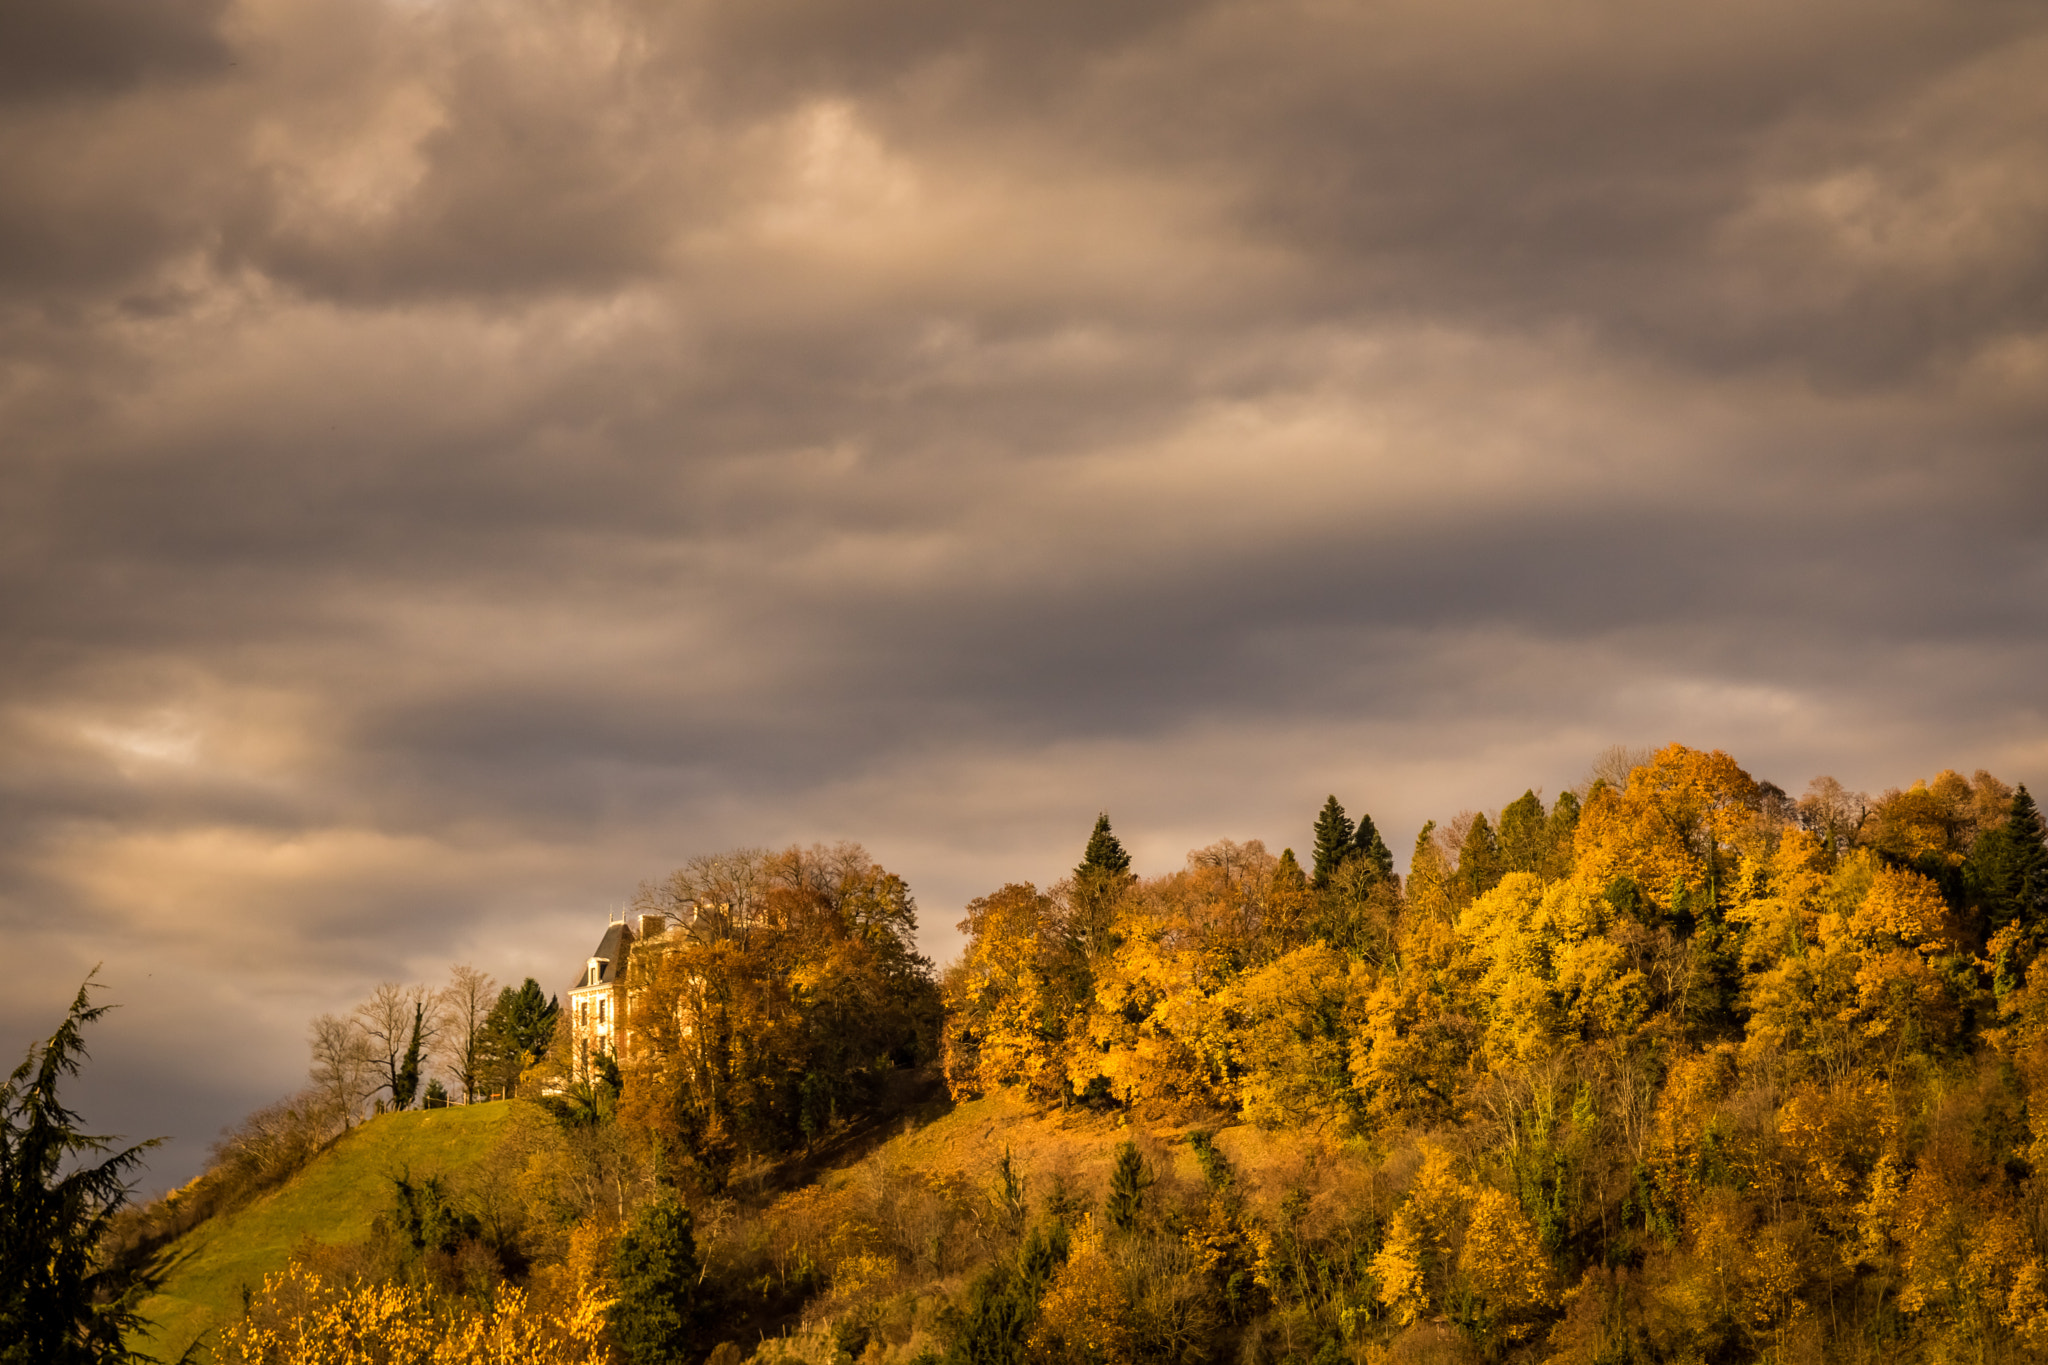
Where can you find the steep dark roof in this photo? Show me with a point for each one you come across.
(611, 948)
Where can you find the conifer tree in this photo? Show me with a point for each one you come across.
(1128, 1181)
(1564, 830)
(1287, 873)
(1429, 889)
(1105, 855)
(1479, 858)
(60, 1304)
(1104, 872)
(1524, 834)
(2009, 867)
(1334, 832)
(1367, 844)
(654, 1271)
(517, 1033)
(406, 1083)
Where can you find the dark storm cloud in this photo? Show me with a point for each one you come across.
(97, 48)
(463, 458)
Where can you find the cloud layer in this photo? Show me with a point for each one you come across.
(464, 456)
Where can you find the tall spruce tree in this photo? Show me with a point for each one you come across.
(1366, 843)
(1479, 858)
(60, 1302)
(517, 1033)
(2008, 868)
(1287, 872)
(1099, 881)
(1105, 855)
(1564, 830)
(1334, 832)
(1129, 1178)
(1524, 834)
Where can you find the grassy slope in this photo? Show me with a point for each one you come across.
(332, 1200)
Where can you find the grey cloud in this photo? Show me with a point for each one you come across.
(462, 460)
(98, 48)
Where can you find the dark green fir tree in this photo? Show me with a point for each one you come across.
(1287, 873)
(1334, 832)
(1366, 843)
(2009, 868)
(60, 1302)
(1128, 1181)
(406, 1083)
(1479, 857)
(1105, 855)
(654, 1272)
(1524, 834)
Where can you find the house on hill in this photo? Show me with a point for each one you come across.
(598, 1007)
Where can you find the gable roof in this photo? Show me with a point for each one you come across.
(611, 955)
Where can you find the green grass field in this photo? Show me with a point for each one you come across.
(333, 1200)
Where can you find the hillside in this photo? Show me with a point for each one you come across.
(333, 1200)
(1682, 1071)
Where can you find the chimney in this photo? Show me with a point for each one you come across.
(650, 925)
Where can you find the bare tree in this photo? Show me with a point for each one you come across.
(465, 1006)
(1832, 812)
(387, 1019)
(344, 1070)
(1616, 762)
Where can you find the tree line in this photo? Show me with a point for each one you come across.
(1672, 1067)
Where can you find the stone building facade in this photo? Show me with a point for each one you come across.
(599, 1010)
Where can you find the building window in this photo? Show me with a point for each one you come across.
(600, 1011)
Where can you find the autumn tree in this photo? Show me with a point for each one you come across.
(760, 1021)
(1676, 825)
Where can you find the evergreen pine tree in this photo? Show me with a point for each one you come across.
(516, 1034)
(1105, 855)
(406, 1083)
(1287, 874)
(1564, 832)
(1128, 1181)
(1333, 841)
(2008, 868)
(654, 1271)
(1524, 835)
(1098, 882)
(1479, 858)
(1367, 843)
(60, 1303)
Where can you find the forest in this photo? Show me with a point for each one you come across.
(1674, 1067)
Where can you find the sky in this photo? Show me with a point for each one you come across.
(463, 457)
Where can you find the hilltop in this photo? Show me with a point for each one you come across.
(333, 1200)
